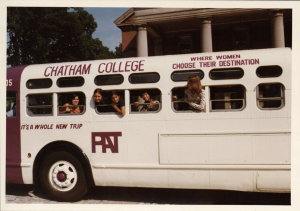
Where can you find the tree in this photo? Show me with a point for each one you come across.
(49, 35)
(118, 52)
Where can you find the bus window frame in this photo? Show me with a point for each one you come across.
(282, 98)
(110, 112)
(41, 106)
(185, 111)
(145, 112)
(222, 100)
(16, 97)
(71, 114)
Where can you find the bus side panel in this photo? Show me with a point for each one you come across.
(13, 133)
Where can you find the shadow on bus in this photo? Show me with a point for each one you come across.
(186, 196)
(130, 195)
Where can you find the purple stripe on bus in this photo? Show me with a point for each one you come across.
(13, 131)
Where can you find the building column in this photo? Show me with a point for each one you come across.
(277, 30)
(142, 43)
(158, 47)
(206, 39)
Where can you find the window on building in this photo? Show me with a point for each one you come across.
(11, 103)
(145, 100)
(39, 104)
(71, 103)
(184, 74)
(269, 71)
(70, 82)
(105, 105)
(270, 96)
(39, 83)
(240, 38)
(178, 104)
(185, 44)
(102, 80)
(227, 98)
(140, 78)
(226, 73)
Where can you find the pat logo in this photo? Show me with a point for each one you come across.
(104, 139)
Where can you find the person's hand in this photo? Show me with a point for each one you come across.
(175, 97)
(136, 104)
(186, 100)
(152, 104)
(68, 109)
(113, 104)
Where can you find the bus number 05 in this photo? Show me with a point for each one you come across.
(9, 82)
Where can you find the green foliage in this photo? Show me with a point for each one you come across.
(49, 35)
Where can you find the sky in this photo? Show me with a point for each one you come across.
(107, 31)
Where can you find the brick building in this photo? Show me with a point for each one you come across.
(166, 31)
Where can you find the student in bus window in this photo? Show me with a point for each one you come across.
(194, 94)
(118, 103)
(99, 99)
(12, 112)
(73, 109)
(153, 102)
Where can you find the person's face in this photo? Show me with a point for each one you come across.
(97, 97)
(75, 101)
(146, 96)
(189, 85)
(115, 98)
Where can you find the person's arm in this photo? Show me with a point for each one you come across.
(65, 109)
(120, 110)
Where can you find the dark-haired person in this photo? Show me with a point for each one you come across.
(153, 102)
(118, 103)
(74, 103)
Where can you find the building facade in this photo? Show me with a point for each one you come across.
(166, 31)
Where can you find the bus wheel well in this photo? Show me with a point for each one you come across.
(67, 147)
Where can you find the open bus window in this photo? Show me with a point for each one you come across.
(71, 103)
(39, 104)
(269, 71)
(227, 98)
(39, 83)
(11, 109)
(102, 80)
(226, 73)
(178, 103)
(70, 82)
(145, 100)
(183, 75)
(140, 78)
(270, 96)
(105, 107)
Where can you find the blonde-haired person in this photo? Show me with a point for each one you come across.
(194, 94)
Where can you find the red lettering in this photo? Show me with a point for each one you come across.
(99, 68)
(136, 66)
(141, 65)
(127, 65)
(105, 137)
(46, 72)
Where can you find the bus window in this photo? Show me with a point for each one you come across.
(105, 106)
(184, 74)
(178, 103)
(226, 73)
(39, 104)
(71, 103)
(145, 100)
(11, 110)
(227, 98)
(270, 96)
(140, 78)
(39, 83)
(70, 82)
(269, 71)
(102, 80)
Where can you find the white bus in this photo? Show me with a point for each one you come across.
(240, 141)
